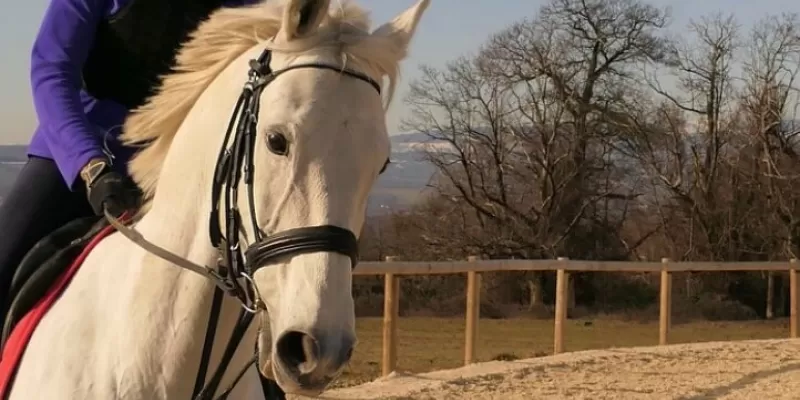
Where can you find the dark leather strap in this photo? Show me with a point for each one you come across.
(302, 240)
(211, 331)
(239, 330)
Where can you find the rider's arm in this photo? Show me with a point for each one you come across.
(59, 51)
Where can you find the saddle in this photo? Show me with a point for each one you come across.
(43, 264)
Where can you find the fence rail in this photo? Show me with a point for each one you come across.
(394, 270)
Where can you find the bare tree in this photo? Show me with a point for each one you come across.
(529, 118)
(550, 141)
(530, 122)
(685, 139)
(769, 106)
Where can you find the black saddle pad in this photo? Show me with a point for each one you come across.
(43, 264)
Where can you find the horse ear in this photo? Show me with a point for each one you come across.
(302, 17)
(401, 29)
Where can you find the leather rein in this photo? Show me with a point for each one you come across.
(234, 272)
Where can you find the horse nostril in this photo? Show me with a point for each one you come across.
(298, 351)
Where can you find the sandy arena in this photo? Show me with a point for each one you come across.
(761, 370)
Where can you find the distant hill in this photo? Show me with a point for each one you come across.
(397, 189)
(401, 185)
(11, 159)
(12, 153)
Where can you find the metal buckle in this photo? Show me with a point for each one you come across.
(254, 303)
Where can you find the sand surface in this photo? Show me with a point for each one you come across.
(760, 370)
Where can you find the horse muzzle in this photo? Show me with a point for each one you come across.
(305, 363)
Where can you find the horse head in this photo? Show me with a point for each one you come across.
(275, 122)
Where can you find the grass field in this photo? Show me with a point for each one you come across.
(427, 344)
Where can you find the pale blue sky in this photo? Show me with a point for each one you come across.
(449, 28)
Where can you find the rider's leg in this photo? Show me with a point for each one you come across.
(38, 203)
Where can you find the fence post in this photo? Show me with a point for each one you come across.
(665, 306)
(794, 299)
(473, 313)
(562, 298)
(770, 311)
(391, 311)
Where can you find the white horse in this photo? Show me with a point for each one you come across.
(131, 325)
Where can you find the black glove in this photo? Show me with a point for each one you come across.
(115, 191)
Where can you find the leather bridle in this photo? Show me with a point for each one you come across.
(234, 267)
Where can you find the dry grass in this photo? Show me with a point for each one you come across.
(427, 344)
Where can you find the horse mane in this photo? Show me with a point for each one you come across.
(218, 41)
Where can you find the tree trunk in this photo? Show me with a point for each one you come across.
(535, 291)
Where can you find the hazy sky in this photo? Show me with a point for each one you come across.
(449, 28)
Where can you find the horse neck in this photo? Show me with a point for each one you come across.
(172, 299)
(176, 300)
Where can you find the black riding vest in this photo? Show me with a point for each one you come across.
(137, 46)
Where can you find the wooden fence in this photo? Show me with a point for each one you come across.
(393, 270)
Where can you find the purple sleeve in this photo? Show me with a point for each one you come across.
(59, 51)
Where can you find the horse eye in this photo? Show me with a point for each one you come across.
(277, 144)
(386, 164)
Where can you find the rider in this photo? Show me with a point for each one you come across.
(92, 62)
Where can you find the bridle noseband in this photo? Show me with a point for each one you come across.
(234, 164)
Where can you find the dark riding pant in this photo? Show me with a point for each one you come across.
(39, 202)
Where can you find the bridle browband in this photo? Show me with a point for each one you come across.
(234, 164)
